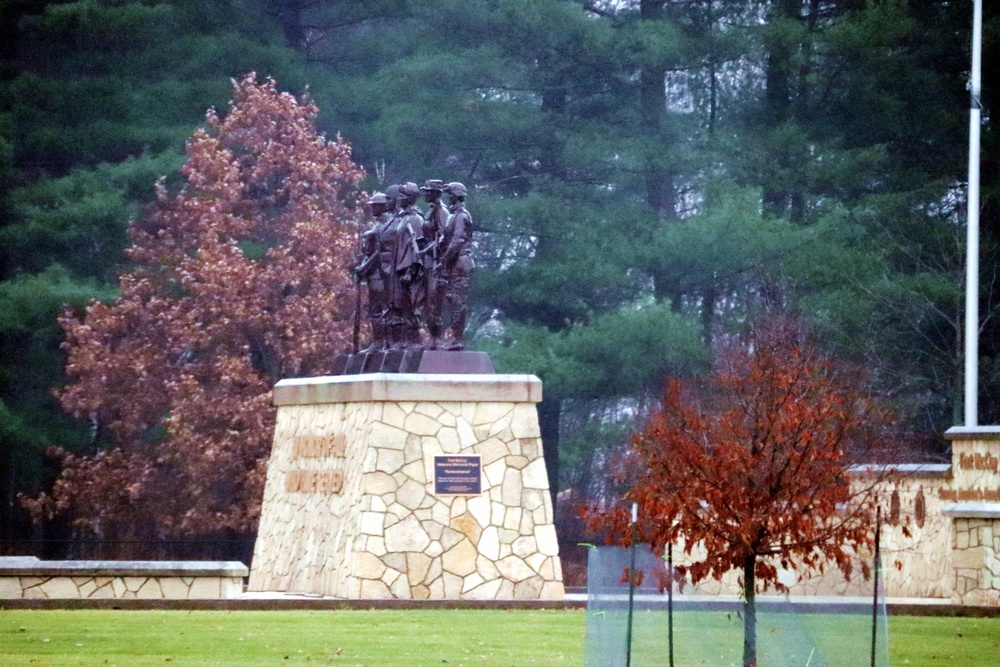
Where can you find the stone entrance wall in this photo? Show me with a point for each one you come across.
(973, 505)
(350, 504)
(976, 561)
(952, 515)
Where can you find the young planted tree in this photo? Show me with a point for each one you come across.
(237, 280)
(750, 468)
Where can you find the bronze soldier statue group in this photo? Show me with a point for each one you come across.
(417, 267)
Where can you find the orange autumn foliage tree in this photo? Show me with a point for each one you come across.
(749, 468)
(236, 281)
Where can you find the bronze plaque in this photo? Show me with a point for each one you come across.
(456, 475)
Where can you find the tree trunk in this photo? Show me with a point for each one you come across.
(658, 174)
(9, 498)
(778, 96)
(749, 613)
(548, 423)
(652, 94)
(290, 18)
(709, 298)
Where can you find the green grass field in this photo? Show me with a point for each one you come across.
(715, 639)
(389, 638)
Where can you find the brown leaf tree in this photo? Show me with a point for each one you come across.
(749, 467)
(237, 280)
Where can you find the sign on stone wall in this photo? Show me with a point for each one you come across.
(458, 475)
(976, 474)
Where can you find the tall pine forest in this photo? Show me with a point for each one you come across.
(645, 176)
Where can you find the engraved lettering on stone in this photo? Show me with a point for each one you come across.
(977, 461)
(317, 447)
(970, 495)
(314, 481)
(317, 481)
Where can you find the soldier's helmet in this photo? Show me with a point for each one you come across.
(432, 185)
(455, 189)
(409, 189)
(378, 198)
(392, 193)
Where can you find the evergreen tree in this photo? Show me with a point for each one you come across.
(680, 123)
(96, 99)
(712, 159)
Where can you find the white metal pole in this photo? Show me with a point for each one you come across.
(972, 230)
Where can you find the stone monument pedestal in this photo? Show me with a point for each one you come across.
(405, 485)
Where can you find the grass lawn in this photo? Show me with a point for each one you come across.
(246, 638)
(382, 638)
(934, 641)
(715, 639)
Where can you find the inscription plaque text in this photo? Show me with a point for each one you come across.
(458, 475)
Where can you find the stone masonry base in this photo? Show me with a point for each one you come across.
(353, 509)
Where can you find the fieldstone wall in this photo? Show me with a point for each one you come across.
(974, 507)
(29, 578)
(353, 509)
(952, 515)
(976, 561)
(915, 566)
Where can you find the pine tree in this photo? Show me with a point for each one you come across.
(96, 99)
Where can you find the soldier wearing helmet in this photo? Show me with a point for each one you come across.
(437, 215)
(392, 192)
(456, 264)
(375, 266)
(406, 286)
(435, 221)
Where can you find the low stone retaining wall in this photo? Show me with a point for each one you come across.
(29, 578)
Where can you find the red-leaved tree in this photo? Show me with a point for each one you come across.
(236, 280)
(749, 467)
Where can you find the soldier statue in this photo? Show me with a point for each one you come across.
(406, 285)
(417, 267)
(456, 265)
(376, 265)
(435, 221)
(392, 192)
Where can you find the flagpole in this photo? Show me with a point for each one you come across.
(972, 229)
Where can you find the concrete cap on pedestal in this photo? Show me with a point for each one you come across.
(408, 387)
